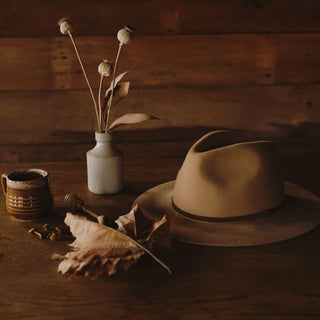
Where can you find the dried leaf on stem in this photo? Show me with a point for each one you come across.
(130, 118)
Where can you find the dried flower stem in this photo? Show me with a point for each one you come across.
(99, 101)
(113, 84)
(137, 243)
(142, 247)
(86, 78)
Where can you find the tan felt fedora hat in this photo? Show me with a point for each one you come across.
(230, 192)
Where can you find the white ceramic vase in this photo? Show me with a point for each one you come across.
(104, 166)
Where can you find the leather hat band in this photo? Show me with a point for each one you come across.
(225, 219)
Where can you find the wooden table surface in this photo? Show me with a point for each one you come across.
(277, 281)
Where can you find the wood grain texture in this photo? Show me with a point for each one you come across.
(249, 66)
(68, 116)
(98, 17)
(77, 151)
(163, 61)
(59, 125)
(277, 281)
(147, 149)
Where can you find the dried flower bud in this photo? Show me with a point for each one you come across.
(105, 68)
(125, 35)
(65, 26)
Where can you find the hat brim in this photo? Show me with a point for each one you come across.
(298, 215)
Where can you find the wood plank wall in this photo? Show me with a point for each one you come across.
(246, 65)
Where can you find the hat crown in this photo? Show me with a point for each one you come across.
(225, 175)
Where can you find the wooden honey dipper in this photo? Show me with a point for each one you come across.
(75, 203)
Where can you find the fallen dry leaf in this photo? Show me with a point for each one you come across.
(98, 249)
(139, 226)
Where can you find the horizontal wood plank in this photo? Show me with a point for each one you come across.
(68, 116)
(163, 61)
(77, 151)
(98, 17)
(299, 149)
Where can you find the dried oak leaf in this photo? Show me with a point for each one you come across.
(102, 250)
(150, 232)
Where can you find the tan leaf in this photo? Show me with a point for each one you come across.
(160, 237)
(90, 234)
(138, 225)
(130, 118)
(120, 92)
(156, 233)
(108, 93)
(117, 80)
(97, 249)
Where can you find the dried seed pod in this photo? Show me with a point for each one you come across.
(36, 233)
(46, 228)
(58, 231)
(125, 35)
(32, 230)
(65, 26)
(53, 236)
(105, 68)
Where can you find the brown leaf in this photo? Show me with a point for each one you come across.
(143, 225)
(130, 118)
(149, 231)
(120, 92)
(97, 249)
(138, 225)
(108, 93)
(160, 236)
(117, 80)
(90, 234)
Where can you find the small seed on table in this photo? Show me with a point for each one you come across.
(35, 232)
